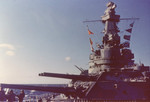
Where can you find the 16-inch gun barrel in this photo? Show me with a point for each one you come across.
(70, 76)
(40, 88)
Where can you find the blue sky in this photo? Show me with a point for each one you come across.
(49, 36)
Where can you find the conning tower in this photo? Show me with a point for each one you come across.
(111, 53)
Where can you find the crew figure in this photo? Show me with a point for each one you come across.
(11, 96)
(21, 96)
(2, 95)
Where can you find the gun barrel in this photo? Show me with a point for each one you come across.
(40, 88)
(69, 76)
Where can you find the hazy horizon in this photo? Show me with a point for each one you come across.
(49, 36)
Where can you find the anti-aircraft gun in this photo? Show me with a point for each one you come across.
(112, 73)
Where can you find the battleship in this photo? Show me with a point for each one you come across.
(112, 73)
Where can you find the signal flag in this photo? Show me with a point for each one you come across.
(131, 25)
(92, 49)
(90, 32)
(127, 37)
(129, 30)
(91, 42)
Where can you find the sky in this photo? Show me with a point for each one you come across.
(49, 36)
